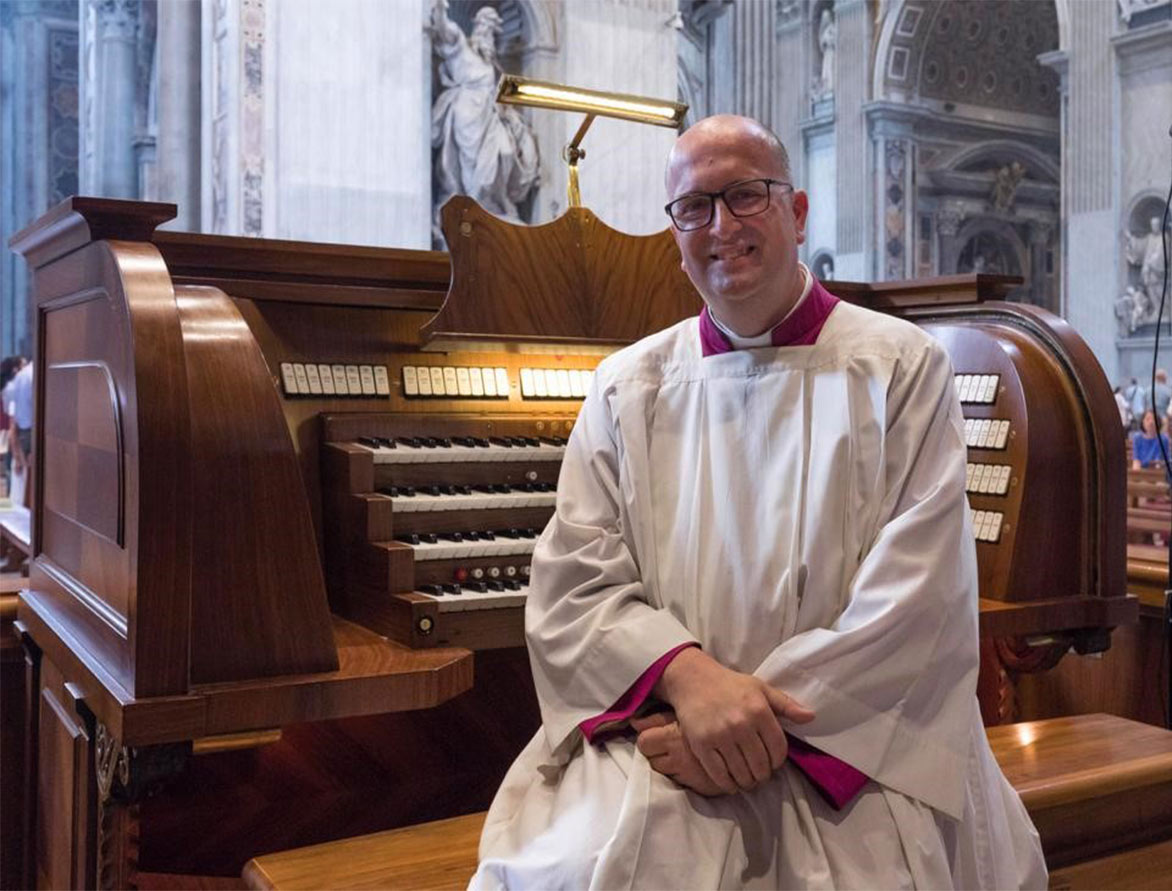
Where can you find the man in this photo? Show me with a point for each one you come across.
(761, 524)
(1161, 394)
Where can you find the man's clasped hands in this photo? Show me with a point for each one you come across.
(722, 735)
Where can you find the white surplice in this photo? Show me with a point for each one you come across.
(800, 512)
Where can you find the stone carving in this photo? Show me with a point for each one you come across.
(1005, 183)
(1132, 309)
(1146, 251)
(484, 150)
(1128, 8)
(827, 38)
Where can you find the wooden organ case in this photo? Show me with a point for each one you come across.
(286, 495)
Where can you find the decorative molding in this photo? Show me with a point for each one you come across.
(1144, 48)
(117, 19)
(895, 204)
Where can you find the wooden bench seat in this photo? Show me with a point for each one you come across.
(1098, 787)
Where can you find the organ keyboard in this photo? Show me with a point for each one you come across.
(313, 485)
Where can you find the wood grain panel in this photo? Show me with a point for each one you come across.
(571, 280)
(250, 617)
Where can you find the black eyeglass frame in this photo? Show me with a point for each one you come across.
(712, 196)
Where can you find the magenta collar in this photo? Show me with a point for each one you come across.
(800, 328)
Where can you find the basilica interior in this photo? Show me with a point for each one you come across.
(311, 315)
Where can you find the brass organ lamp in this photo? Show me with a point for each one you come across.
(516, 90)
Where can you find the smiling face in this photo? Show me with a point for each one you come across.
(745, 268)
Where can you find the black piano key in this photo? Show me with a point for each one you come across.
(476, 586)
(466, 441)
(411, 538)
(452, 589)
(428, 537)
(511, 584)
(434, 590)
(488, 536)
(408, 441)
(495, 585)
(389, 490)
(480, 442)
(371, 441)
(431, 490)
(451, 536)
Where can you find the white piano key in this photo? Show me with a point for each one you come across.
(502, 383)
(577, 389)
(957, 380)
(983, 428)
(327, 379)
(451, 384)
(382, 382)
(540, 384)
(301, 377)
(463, 381)
(563, 379)
(587, 381)
(551, 382)
(314, 379)
(410, 381)
(489, 382)
(989, 395)
(446, 550)
(366, 379)
(528, 387)
(437, 381)
(476, 381)
(289, 379)
(1002, 485)
(968, 431)
(993, 531)
(353, 380)
(423, 373)
(1002, 435)
(978, 523)
(339, 375)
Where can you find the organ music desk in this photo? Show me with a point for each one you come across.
(288, 493)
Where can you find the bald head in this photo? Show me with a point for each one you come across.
(723, 132)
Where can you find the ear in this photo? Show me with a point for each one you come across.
(801, 208)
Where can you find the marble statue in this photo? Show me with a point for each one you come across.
(827, 37)
(1005, 183)
(1132, 310)
(1147, 252)
(484, 150)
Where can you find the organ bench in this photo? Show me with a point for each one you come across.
(287, 494)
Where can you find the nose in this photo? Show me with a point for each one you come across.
(723, 219)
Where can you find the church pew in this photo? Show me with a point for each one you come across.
(1098, 787)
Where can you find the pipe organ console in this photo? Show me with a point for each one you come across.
(296, 486)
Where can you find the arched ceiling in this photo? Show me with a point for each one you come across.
(974, 52)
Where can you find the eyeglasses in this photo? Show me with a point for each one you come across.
(743, 199)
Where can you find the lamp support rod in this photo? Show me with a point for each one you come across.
(572, 155)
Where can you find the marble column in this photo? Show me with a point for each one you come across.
(113, 92)
(754, 25)
(317, 122)
(852, 71)
(39, 133)
(177, 73)
(1087, 83)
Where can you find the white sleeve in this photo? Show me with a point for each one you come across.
(590, 630)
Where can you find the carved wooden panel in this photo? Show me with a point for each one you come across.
(63, 791)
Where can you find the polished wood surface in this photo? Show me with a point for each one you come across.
(571, 280)
(1094, 765)
(1093, 784)
(433, 857)
(1147, 868)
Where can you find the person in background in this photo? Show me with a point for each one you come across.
(1162, 394)
(1137, 398)
(1124, 409)
(1145, 445)
(8, 369)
